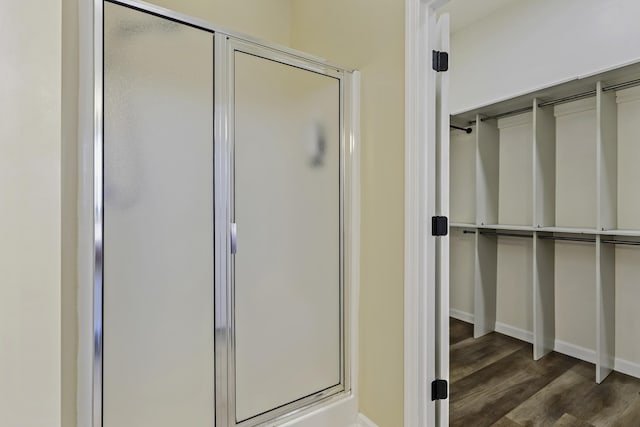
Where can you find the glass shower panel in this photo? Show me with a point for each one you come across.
(287, 209)
(158, 366)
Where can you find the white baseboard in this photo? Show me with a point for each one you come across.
(500, 327)
(512, 331)
(582, 353)
(588, 355)
(461, 315)
(363, 421)
(573, 350)
(627, 367)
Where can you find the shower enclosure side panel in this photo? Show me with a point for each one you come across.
(158, 365)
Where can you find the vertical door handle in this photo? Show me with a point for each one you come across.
(234, 237)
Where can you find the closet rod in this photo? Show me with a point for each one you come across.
(621, 242)
(569, 98)
(622, 85)
(467, 130)
(508, 113)
(569, 239)
(491, 233)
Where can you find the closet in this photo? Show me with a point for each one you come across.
(545, 219)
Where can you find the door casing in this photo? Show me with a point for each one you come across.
(423, 253)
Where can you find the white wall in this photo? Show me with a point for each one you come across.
(30, 74)
(462, 266)
(536, 43)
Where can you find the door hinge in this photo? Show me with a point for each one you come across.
(439, 226)
(440, 61)
(439, 390)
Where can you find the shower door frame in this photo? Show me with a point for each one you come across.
(225, 47)
(332, 404)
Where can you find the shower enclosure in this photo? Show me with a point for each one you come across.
(225, 225)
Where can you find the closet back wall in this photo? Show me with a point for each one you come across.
(537, 43)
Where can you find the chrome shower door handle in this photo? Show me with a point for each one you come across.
(234, 237)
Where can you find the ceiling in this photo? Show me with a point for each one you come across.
(465, 12)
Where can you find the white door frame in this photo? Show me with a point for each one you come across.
(420, 205)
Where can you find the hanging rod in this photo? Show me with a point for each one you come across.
(568, 98)
(622, 85)
(621, 242)
(498, 233)
(508, 113)
(562, 100)
(467, 130)
(569, 239)
(563, 238)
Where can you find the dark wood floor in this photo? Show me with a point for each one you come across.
(496, 382)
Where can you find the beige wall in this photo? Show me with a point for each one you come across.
(68, 193)
(37, 103)
(30, 73)
(268, 20)
(369, 36)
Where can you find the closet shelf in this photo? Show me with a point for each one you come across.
(462, 225)
(561, 230)
(626, 233)
(568, 230)
(507, 227)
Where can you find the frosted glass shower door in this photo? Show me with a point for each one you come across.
(287, 275)
(158, 357)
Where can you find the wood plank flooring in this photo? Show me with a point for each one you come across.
(495, 382)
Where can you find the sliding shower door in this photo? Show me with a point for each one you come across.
(158, 323)
(287, 271)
